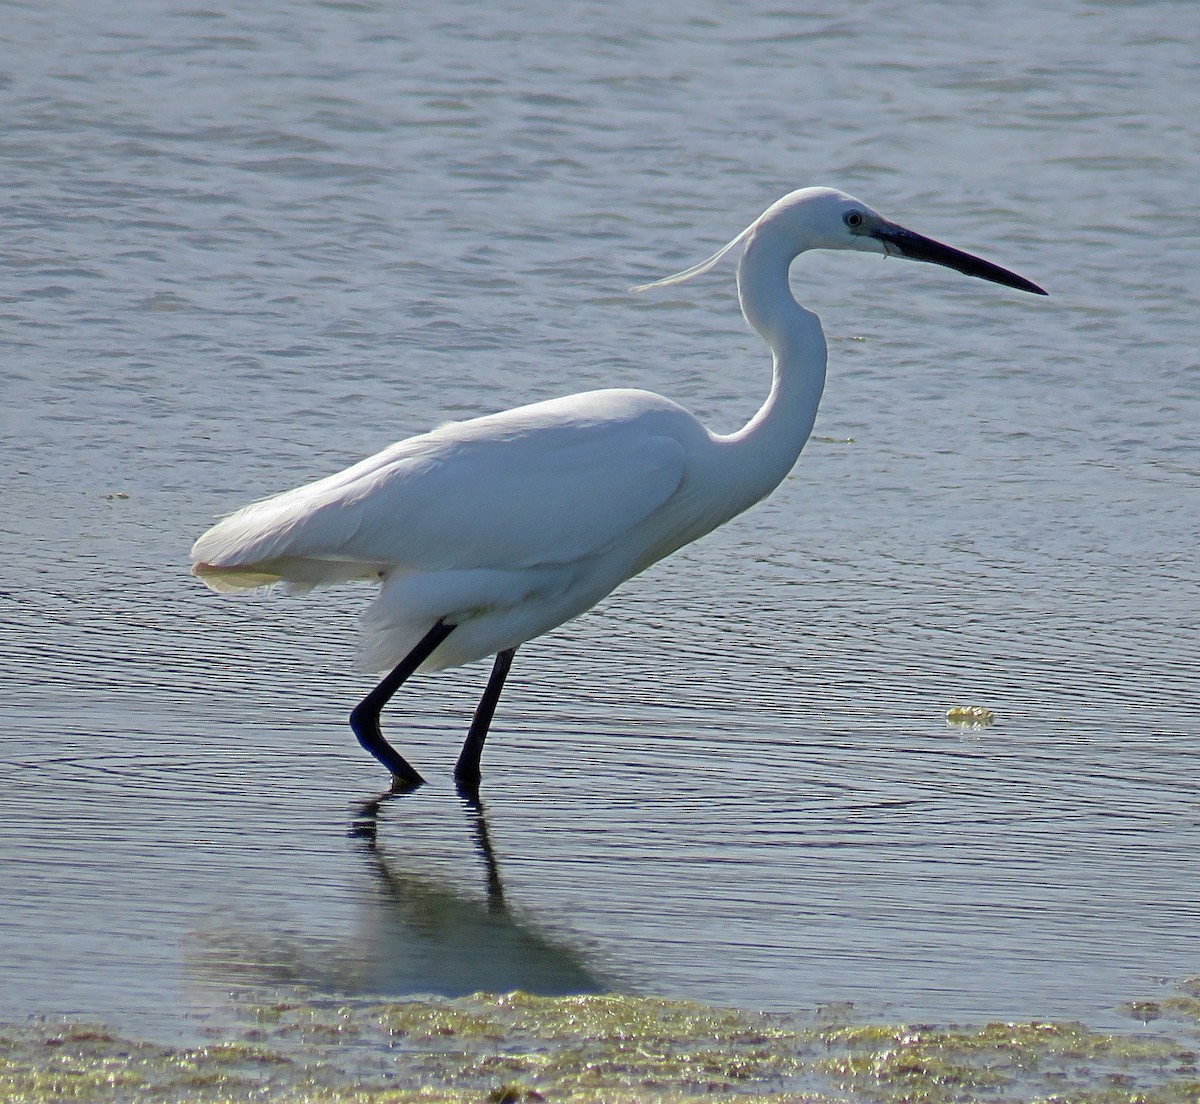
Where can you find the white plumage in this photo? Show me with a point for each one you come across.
(505, 525)
(489, 532)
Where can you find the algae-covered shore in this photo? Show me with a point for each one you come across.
(600, 1048)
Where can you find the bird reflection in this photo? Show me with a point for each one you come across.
(426, 936)
(483, 845)
(418, 932)
(365, 827)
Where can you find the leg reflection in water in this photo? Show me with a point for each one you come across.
(365, 827)
(428, 927)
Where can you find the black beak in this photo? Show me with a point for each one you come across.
(919, 248)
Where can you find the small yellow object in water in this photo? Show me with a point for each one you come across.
(970, 715)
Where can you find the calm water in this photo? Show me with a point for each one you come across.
(241, 251)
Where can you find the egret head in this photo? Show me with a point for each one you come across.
(819, 218)
(824, 218)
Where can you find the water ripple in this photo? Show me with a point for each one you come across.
(244, 248)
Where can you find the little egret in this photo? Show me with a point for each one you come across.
(486, 533)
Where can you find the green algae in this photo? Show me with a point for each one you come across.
(514, 1048)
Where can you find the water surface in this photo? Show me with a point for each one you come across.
(243, 250)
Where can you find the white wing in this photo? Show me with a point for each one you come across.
(549, 483)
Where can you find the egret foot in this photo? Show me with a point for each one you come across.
(402, 785)
(467, 785)
(364, 717)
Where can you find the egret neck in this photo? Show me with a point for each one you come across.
(764, 450)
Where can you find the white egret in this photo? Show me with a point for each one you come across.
(486, 533)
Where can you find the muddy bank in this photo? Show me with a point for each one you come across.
(592, 1048)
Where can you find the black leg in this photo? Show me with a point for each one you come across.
(466, 770)
(364, 719)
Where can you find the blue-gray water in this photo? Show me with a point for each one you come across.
(242, 250)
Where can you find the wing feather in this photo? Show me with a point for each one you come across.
(546, 484)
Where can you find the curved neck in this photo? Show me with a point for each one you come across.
(769, 444)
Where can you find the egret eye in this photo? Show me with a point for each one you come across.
(853, 219)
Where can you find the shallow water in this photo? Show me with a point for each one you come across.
(244, 250)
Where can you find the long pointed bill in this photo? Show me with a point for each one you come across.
(919, 248)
